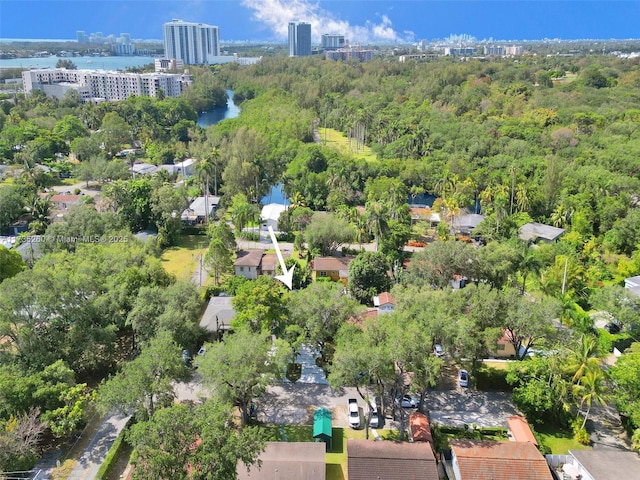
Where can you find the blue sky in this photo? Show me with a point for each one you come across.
(359, 20)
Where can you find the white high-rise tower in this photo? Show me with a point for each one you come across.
(193, 43)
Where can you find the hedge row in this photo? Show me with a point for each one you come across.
(114, 452)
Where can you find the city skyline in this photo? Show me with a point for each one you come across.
(374, 21)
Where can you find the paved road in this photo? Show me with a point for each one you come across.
(93, 457)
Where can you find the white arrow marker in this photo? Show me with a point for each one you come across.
(287, 277)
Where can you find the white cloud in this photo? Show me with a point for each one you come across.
(276, 14)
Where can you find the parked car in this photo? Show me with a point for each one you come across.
(407, 401)
(186, 357)
(438, 350)
(202, 350)
(354, 413)
(463, 378)
(374, 418)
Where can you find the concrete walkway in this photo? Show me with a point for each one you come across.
(311, 372)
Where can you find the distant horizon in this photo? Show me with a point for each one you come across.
(360, 21)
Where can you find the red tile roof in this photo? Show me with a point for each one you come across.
(420, 428)
(520, 430)
(488, 460)
(385, 298)
(65, 198)
(369, 460)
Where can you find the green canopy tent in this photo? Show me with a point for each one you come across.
(322, 427)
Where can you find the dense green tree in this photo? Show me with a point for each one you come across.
(193, 442)
(69, 128)
(11, 205)
(145, 384)
(368, 276)
(11, 263)
(625, 375)
(541, 391)
(326, 233)
(319, 310)
(261, 305)
(440, 262)
(239, 369)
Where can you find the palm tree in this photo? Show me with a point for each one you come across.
(592, 387)
(584, 358)
(529, 264)
(40, 212)
(376, 214)
(204, 170)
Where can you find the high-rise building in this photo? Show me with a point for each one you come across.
(332, 42)
(80, 36)
(193, 43)
(299, 39)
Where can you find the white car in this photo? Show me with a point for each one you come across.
(463, 378)
(438, 351)
(374, 418)
(407, 401)
(354, 413)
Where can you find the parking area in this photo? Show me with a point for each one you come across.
(465, 406)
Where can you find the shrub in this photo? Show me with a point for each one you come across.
(580, 433)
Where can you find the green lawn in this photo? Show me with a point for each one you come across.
(331, 137)
(558, 441)
(182, 259)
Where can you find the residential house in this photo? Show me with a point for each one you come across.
(270, 215)
(63, 202)
(633, 284)
(539, 232)
(424, 214)
(218, 315)
(387, 460)
(269, 264)
(248, 263)
(334, 268)
(287, 460)
(490, 460)
(384, 302)
(503, 348)
(519, 430)
(197, 211)
(601, 464)
(143, 169)
(466, 223)
(186, 168)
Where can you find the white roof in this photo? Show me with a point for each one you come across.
(272, 211)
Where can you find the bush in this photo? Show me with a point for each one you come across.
(489, 378)
(250, 236)
(580, 433)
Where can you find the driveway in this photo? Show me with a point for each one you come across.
(465, 406)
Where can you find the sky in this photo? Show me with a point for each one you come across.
(364, 21)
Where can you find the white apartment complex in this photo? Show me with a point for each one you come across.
(101, 85)
(193, 43)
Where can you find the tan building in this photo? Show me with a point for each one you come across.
(334, 268)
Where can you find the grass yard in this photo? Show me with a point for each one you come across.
(183, 259)
(559, 441)
(333, 138)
